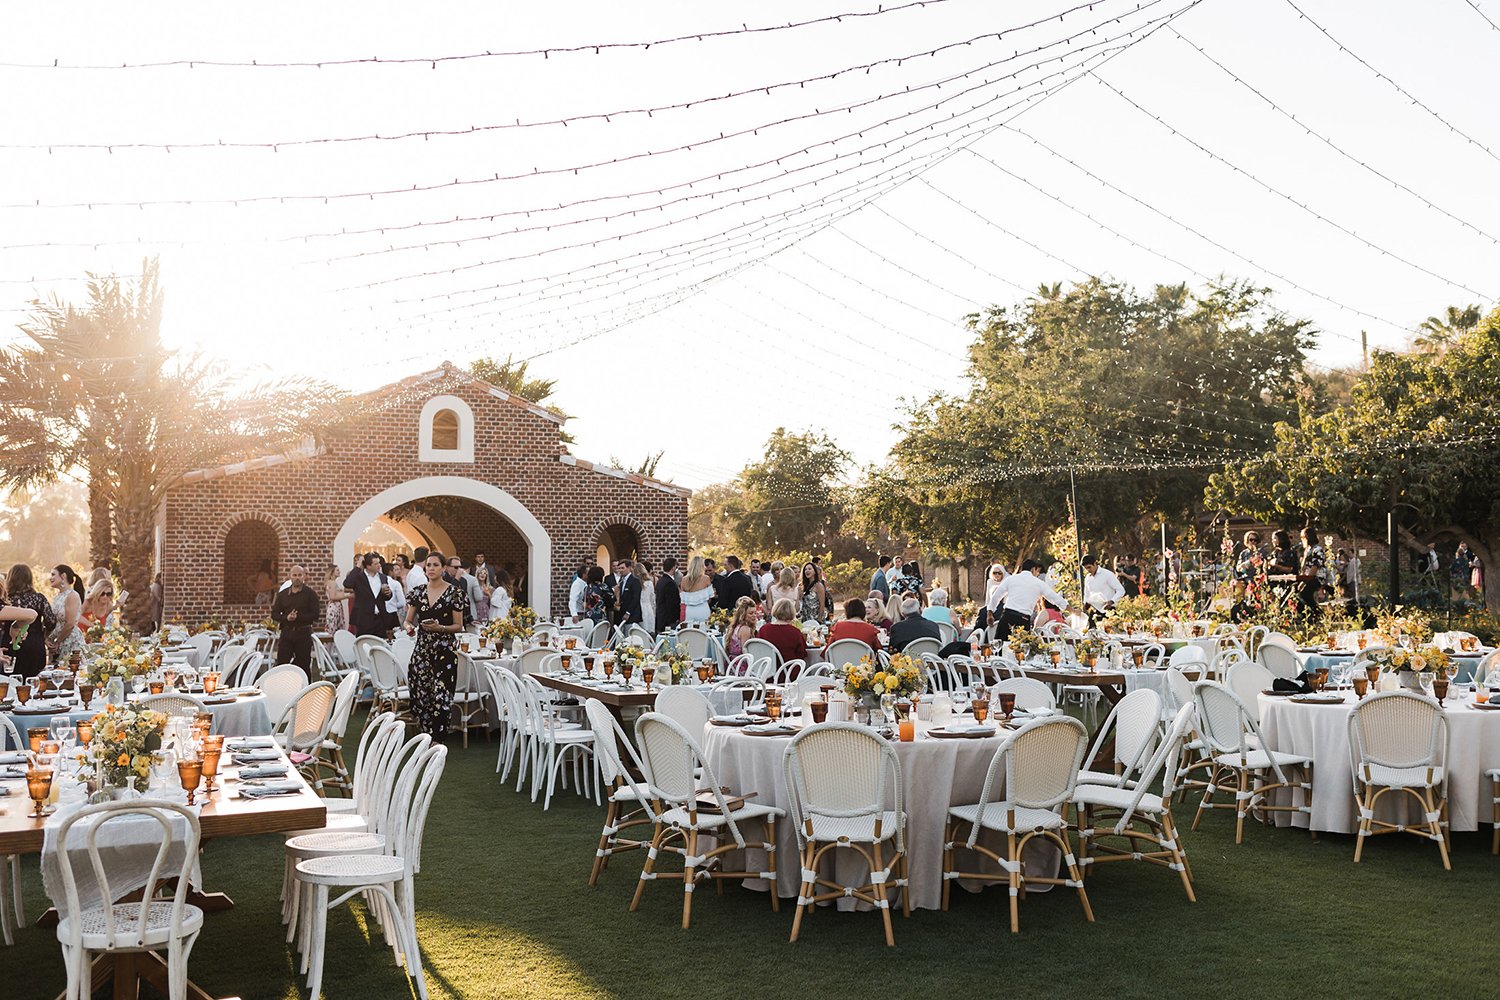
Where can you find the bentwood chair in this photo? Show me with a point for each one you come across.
(1040, 767)
(1138, 804)
(678, 811)
(149, 924)
(845, 792)
(1241, 765)
(1398, 742)
(10, 865)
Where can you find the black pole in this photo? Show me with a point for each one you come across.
(1077, 532)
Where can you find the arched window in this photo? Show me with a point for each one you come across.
(250, 555)
(446, 431)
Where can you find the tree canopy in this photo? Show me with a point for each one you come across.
(790, 498)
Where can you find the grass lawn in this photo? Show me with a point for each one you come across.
(504, 911)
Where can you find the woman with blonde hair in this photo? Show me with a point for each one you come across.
(99, 603)
(642, 572)
(333, 593)
(741, 627)
(785, 588)
(696, 591)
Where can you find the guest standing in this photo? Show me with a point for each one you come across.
(1018, 596)
(813, 593)
(66, 636)
(370, 590)
(630, 596)
(697, 591)
(668, 597)
(500, 595)
(785, 588)
(736, 584)
(296, 610)
(27, 642)
(435, 614)
(596, 596)
(878, 580)
(642, 573)
(333, 593)
(11, 617)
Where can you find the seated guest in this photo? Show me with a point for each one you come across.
(1048, 613)
(741, 627)
(875, 610)
(854, 626)
(937, 609)
(912, 626)
(781, 633)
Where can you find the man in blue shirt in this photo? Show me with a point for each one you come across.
(878, 580)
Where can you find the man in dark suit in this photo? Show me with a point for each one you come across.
(630, 599)
(370, 590)
(736, 585)
(913, 626)
(613, 581)
(668, 597)
(716, 581)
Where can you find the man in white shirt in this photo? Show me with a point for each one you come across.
(576, 591)
(1018, 595)
(418, 574)
(1101, 587)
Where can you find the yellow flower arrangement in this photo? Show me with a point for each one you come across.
(902, 677)
(518, 625)
(125, 745)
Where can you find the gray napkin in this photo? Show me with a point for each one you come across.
(267, 791)
(265, 771)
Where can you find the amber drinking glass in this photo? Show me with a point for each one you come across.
(819, 712)
(981, 707)
(773, 704)
(648, 674)
(609, 668)
(156, 687)
(190, 773)
(85, 693)
(85, 733)
(704, 670)
(1007, 703)
(210, 682)
(1361, 686)
(39, 787)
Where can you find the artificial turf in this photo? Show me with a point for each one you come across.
(504, 911)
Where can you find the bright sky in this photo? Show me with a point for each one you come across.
(809, 268)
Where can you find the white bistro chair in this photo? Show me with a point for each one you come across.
(1241, 767)
(1398, 742)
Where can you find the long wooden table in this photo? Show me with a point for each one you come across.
(220, 816)
(612, 696)
(1111, 683)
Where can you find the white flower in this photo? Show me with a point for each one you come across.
(1418, 662)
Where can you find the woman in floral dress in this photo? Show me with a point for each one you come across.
(435, 614)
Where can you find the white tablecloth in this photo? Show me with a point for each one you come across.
(1321, 732)
(127, 849)
(245, 716)
(937, 774)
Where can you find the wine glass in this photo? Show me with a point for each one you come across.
(980, 705)
(169, 676)
(888, 708)
(189, 773)
(39, 787)
(704, 670)
(626, 669)
(609, 667)
(138, 683)
(648, 674)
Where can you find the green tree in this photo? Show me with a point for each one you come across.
(645, 467)
(513, 376)
(1140, 395)
(136, 415)
(1419, 437)
(790, 499)
(1437, 333)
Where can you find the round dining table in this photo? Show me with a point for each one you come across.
(246, 715)
(1320, 731)
(935, 774)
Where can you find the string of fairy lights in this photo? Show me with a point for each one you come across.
(619, 255)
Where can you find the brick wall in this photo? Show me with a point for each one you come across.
(308, 500)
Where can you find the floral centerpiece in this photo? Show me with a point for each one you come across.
(1407, 624)
(125, 745)
(719, 618)
(100, 632)
(1417, 667)
(629, 652)
(866, 680)
(519, 624)
(1025, 643)
(1089, 649)
(677, 660)
(120, 655)
(1133, 611)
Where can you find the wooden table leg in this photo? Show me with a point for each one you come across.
(125, 971)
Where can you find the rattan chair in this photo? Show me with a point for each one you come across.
(671, 758)
(1040, 764)
(1163, 845)
(1233, 741)
(1132, 729)
(845, 794)
(626, 799)
(1398, 742)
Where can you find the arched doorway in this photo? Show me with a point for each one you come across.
(462, 500)
(617, 538)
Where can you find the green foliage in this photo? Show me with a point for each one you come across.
(645, 467)
(790, 498)
(513, 377)
(1132, 390)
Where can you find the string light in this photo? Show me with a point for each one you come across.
(1283, 195)
(1482, 14)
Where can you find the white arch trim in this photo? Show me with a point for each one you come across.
(539, 543)
(465, 450)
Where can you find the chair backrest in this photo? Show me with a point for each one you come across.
(762, 667)
(1180, 687)
(1281, 639)
(1041, 761)
(759, 649)
(173, 704)
(699, 643)
(1247, 679)
(1135, 723)
(609, 737)
(229, 658)
(327, 667)
(1225, 724)
(280, 686)
(124, 924)
(343, 647)
(1398, 729)
(199, 648)
(304, 725)
(413, 799)
(385, 786)
(10, 736)
(1279, 660)
(687, 706)
(676, 768)
(250, 667)
(1164, 763)
(364, 643)
(384, 674)
(642, 635)
(917, 647)
(788, 672)
(842, 651)
(1184, 655)
(403, 646)
(534, 661)
(1487, 670)
(1030, 693)
(947, 633)
(374, 743)
(840, 769)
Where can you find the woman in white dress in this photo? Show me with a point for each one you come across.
(500, 596)
(648, 596)
(697, 590)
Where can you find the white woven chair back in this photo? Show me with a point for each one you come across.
(1398, 729)
(697, 642)
(917, 647)
(1030, 693)
(608, 738)
(402, 647)
(534, 661)
(343, 647)
(124, 925)
(947, 633)
(1180, 687)
(173, 704)
(343, 705)
(840, 769)
(1487, 670)
(229, 658)
(1137, 724)
(1279, 660)
(383, 671)
(687, 706)
(842, 651)
(364, 643)
(1185, 655)
(199, 648)
(1281, 639)
(671, 755)
(1247, 680)
(1042, 761)
(599, 635)
(1224, 723)
(308, 718)
(280, 686)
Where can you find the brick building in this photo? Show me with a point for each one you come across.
(443, 459)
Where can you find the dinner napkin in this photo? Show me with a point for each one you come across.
(1037, 713)
(741, 717)
(252, 743)
(775, 727)
(12, 772)
(12, 757)
(266, 791)
(256, 757)
(263, 771)
(971, 727)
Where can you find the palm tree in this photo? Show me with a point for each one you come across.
(1437, 334)
(511, 376)
(98, 389)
